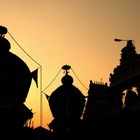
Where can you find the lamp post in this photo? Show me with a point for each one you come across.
(128, 40)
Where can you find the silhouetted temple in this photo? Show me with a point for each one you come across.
(109, 112)
(67, 104)
(113, 112)
(102, 114)
(15, 80)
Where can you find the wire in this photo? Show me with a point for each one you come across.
(41, 99)
(52, 80)
(79, 79)
(23, 49)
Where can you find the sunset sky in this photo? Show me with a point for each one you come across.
(79, 33)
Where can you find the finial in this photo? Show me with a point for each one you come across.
(66, 68)
(4, 43)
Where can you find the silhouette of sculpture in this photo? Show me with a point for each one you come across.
(124, 77)
(131, 98)
(127, 74)
(66, 104)
(15, 80)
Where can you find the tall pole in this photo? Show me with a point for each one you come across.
(41, 99)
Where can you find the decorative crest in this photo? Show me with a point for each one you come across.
(66, 68)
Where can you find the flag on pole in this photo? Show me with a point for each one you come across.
(35, 76)
(47, 96)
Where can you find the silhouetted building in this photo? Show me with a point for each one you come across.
(127, 74)
(102, 115)
(112, 112)
(107, 114)
(67, 104)
(15, 80)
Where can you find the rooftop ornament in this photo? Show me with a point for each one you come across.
(3, 31)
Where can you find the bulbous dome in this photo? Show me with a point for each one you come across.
(67, 101)
(67, 80)
(15, 76)
(4, 45)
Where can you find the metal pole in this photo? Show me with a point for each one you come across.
(41, 99)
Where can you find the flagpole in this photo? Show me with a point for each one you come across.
(41, 99)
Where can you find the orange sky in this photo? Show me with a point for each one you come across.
(75, 32)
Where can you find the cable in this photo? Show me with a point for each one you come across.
(79, 79)
(41, 99)
(52, 80)
(23, 49)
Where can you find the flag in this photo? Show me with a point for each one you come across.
(35, 76)
(47, 96)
